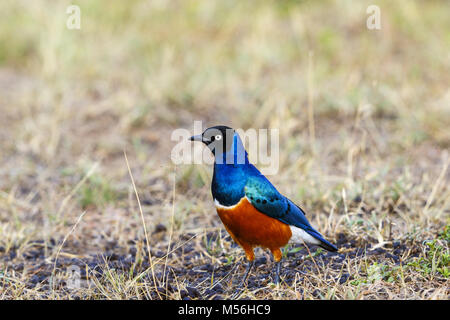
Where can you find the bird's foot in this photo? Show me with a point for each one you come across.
(277, 273)
(247, 272)
(243, 284)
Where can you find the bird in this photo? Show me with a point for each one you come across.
(253, 211)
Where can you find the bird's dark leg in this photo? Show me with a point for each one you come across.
(277, 255)
(247, 272)
(242, 285)
(249, 254)
(277, 272)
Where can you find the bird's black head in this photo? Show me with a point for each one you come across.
(218, 139)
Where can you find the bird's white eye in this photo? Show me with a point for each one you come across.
(218, 137)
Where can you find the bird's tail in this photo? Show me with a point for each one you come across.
(322, 242)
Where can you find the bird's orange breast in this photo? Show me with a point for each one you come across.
(249, 227)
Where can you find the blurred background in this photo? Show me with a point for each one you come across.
(363, 114)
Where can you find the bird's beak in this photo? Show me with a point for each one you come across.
(196, 138)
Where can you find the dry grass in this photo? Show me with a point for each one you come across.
(363, 118)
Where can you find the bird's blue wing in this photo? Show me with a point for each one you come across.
(264, 197)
